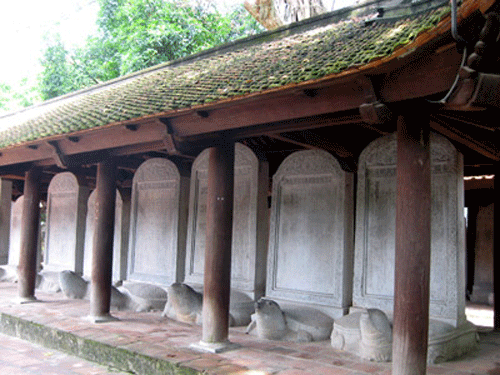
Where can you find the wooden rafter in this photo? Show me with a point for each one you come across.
(465, 120)
(314, 141)
(465, 139)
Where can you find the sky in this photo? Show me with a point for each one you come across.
(24, 23)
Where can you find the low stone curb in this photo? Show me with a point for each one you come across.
(95, 351)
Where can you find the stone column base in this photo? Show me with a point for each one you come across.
(482, 294)
(217, 347)
(101, 319)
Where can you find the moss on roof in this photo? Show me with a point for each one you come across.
(315, 53)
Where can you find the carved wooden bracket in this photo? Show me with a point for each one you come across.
(168, 138)
(478, 82)
(372, 112)
(58, 155)
(375, 113)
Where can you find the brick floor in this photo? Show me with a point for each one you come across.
(19, 357)
(155, 338)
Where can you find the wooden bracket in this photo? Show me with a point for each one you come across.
(477, 92)
(59, 157)
(477, 85)
(168, 137)
(372, 112)
(375, 113)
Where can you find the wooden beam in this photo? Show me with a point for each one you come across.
(271, 110)
(459, 117)
(301, 124)
(478, 183)
(315, 143)
(465, 139)
(23, 154)
(110, 137)
(431, 74)
(291, 141)
(138, 148)
(94, 140)
(320, 142)
(485, 5)
(11, 177)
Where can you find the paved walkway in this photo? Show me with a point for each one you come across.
(20, 357)
(146, 343)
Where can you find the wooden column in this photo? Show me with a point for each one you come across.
(218, 244)
(5, 218)
(29, 236)
(496, 248)
(470, 260)
(102, 250)
(413, 247)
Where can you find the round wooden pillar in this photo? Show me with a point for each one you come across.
(29, 236)
(218, 244)
(102, 250)
(413, 247)
(496, 248)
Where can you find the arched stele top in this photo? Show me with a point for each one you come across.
(65, 181)
(156, 169)
(242, 156)
(383, 150)
(308, 161)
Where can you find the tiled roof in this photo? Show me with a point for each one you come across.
(267, 63)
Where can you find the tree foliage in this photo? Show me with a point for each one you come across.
(136, 34)
(18, 96)
(60, 74)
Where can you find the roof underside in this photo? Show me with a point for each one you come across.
(319, 84)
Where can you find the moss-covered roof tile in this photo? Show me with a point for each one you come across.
(241, 70)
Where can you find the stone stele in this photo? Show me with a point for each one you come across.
(450, 334)
(250, 223)
(482, 290)
(311, 232)
(66, 212)
(158, 223)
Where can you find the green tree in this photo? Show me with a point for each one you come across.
(149, 32)
(5, 96)
(136, 34)
(57, 77)
(18, 96)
